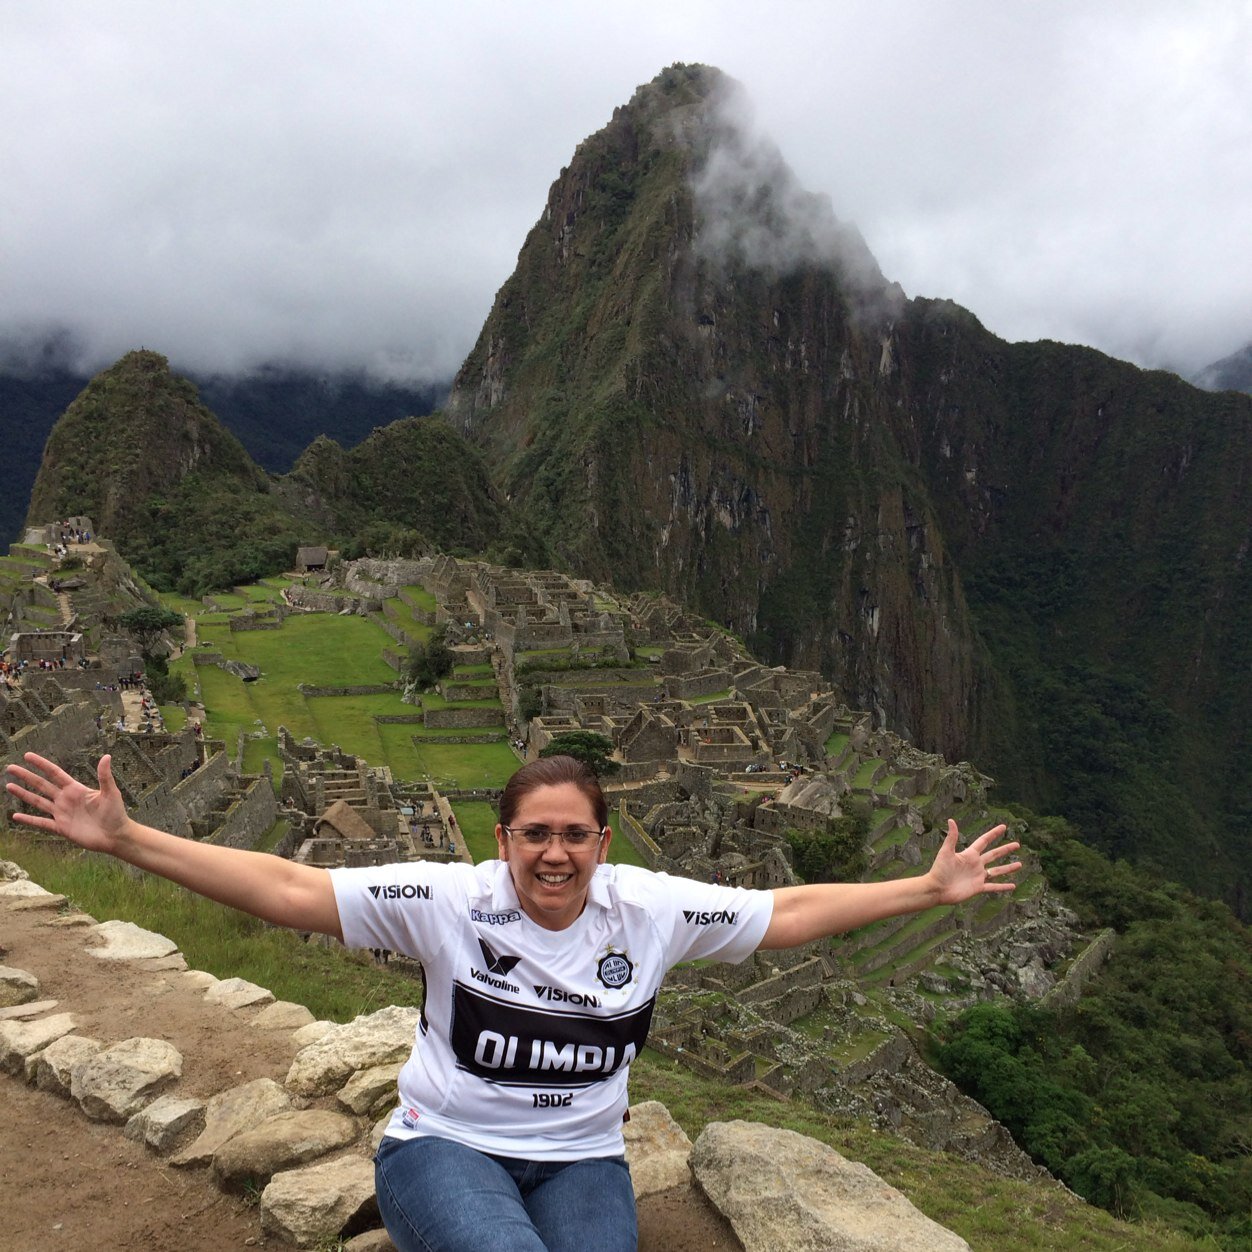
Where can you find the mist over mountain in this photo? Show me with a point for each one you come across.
(1231, 373)
(275, 411)
(1032, 555)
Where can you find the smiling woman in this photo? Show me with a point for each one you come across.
(542, 970)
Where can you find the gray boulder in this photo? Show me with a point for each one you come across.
(115, 1083)
(124, 941)
(167, 1122)
(657, 1149)
(377, 1039)
(20, 1040)
(17, 986)
(280, 1142)
(238, 993)
(315, 1204)
(371, 1090)
(53, 1068)
(283, 1015)
(779, 1189)
(231, 1112)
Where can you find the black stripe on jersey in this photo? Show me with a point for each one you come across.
(503, 1042)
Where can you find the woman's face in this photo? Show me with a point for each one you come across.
(552, 881)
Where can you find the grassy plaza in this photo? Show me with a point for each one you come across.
(325, 650)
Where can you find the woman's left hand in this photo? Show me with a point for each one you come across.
(959, 876)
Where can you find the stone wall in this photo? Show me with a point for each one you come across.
(249, 817)
(887, 1057)
(199, 792)
(392, 573)
(329, 601)
(639, 838)
(463, 719)
(365, 689)
(1084, 967)
(486, 737)
(70, 729)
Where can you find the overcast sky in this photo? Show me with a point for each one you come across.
(349, 183)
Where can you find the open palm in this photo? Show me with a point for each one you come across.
(970, 872)
(93, 818)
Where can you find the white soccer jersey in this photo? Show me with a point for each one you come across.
(527, 1034)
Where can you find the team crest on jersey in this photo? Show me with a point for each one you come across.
(614, 969)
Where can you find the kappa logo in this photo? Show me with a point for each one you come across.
(720, 917)
(495, 919)
(501, 965)
(399, 891)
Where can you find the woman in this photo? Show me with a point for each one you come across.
(542, 970)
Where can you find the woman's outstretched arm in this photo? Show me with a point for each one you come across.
(268, 887)
(809, 912)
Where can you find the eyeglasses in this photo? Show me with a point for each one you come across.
(541, 836)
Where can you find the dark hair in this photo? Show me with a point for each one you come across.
(552, 771)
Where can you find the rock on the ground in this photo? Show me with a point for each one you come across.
(283, 1015)
(657, 1149)
(118, 1081)
(45, 900)
(12, 890)
(229, 1113)
(198, 979)
(17, 986)
(280, 1142)
(11, 871)
(312, 1033)
(32, 1008)
(376, 1039)
(370, 1241)
(19, 1040)
(371, 1090)
(166, 1122)
(52, 1069)
(67, 920)
(124, 941)
(779, 1189)
(238, 993)
(311, 1205)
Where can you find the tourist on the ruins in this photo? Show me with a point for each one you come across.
(508, 1131)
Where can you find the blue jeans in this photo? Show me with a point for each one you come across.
(439, 1196)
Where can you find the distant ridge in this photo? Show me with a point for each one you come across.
(1231, 373)
(274, 411)
(159, 474)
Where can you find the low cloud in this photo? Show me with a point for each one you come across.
(349, 185)
(752, 210)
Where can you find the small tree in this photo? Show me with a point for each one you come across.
(431, 661)
(148, 623)
(586, 746)
(529, 702)
(833, 854)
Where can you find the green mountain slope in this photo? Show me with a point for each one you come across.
(163, 479)
(1031, 554)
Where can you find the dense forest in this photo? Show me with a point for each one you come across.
(1139, 1097)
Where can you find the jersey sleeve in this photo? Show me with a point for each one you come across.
(706, 920)
(407, 908)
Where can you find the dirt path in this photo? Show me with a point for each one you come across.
(68, 1182)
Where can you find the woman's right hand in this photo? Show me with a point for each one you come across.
(93, 819)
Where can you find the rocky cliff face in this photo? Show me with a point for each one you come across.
(698, 379)
(679, 386)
